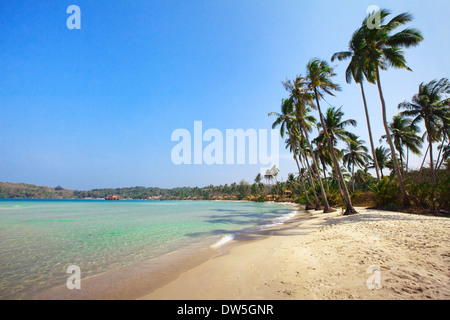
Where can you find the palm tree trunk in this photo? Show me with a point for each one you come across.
(438, 160)
(401, 165)
(433, 179)
(327, 207)
(401, 184)
(375, 162)
(425, 157)
(303, 182)
(440, 164)
(353, 177)
(311, 181)
(325, 174)
(348, 202)
(407, 161)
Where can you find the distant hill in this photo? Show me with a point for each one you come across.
(30, 191)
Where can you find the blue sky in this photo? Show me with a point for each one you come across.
(96, 107)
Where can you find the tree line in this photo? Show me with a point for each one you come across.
(370, 51)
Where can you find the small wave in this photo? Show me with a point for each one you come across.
(225, 239)
(278, 221)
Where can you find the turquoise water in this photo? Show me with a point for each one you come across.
(39, 239)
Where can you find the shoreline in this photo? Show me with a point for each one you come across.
(329, 257)
(142, 278)
(311, 256)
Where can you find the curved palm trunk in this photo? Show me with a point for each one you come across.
(430, 147)
(425, 157)
(402, 167)
(438, 160)
(433, 180)
(353, 177)
(401, 184)
(308, 205)
(327, 207)
(348, 202)
(311, 181)
(325, 174)
(375, 162)
(407, 161)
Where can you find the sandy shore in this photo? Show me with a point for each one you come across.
(328, 256)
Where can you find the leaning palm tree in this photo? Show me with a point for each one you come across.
(382, 49)
(336, 128)
(429, 106)
(303, 98)
(285, 120)
(358, 69)
(319, 75)
(355, 154)
(293, 144)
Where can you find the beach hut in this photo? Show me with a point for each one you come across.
(288, 194)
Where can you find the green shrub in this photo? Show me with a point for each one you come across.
(423, 195)
(387, 193)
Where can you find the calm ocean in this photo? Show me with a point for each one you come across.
(39, 239)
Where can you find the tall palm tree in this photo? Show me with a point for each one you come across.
(383, 49)
(336, 130)
(404, 134)
(285, 120)
(358, 69)
(293, 144)
(429, 106)
(355, 154)
(319, 75)
(303, 98)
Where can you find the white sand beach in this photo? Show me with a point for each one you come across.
(328, 256)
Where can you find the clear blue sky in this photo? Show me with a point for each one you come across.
(96, 107)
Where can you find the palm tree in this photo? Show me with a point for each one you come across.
(445, 145)
(383, 158)
(355, 154)
(429, 106)
(336, 126)
(303, 97)
(336, 130)
(323, 155)
(404, 133)
(383, 49)
(363, 178)
(358, 69)
(293, 144)
(286, 121)
(319, 75)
